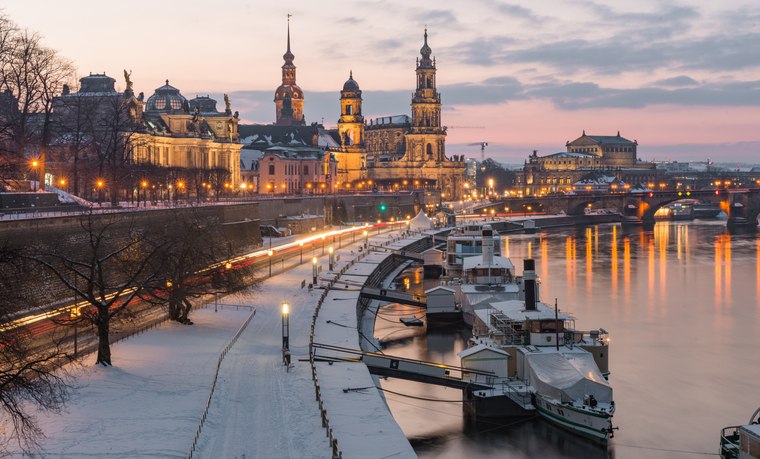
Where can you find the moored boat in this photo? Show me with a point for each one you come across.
(741, 442)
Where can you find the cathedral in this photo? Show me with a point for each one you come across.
(391, 153)
(399, 152)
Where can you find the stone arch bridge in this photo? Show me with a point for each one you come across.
(741, 205)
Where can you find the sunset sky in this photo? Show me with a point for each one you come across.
(681, 78)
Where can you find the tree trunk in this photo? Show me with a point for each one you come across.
(174, 308)
(104, 345)
(186, 311)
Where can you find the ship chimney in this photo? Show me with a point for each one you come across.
(487, 234)
(529, 282)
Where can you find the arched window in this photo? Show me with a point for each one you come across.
(349, 109)
(429, 151)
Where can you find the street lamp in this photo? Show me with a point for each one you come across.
(332, 257)
(270, 253)
(144, 186)
(314, 271)
(35, 165)
(99, 184)
(286, 334)
(366, 236)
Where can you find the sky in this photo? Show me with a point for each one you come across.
(681, 78)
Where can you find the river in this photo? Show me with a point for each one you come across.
(682, 305)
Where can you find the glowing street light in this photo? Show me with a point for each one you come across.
(286, 334)
(331, 251)
(314, 271)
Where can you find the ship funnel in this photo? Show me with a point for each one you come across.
(529, 282)
(487, 233)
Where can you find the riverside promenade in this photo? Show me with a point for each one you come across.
(165, 380)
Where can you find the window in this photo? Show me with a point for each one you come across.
(349, 109)
(271, 169)
(306, 170)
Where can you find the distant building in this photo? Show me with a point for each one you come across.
(585, 156)
(296, 170)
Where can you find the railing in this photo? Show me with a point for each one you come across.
(213, 384)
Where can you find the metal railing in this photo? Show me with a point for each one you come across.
(204, 414)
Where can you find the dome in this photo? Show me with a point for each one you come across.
(101, 83)
(425, 50)
(290, 90)
(351, 84)
(166, 99)
(420, 223)
(205, 103)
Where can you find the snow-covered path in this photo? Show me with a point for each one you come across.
(148, 405)
(260, 409)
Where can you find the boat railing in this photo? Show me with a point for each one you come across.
(517, 389)
(729, 442)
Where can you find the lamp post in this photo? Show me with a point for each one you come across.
(144, 186)
(35, 165)
(323, 245)
(286, 334)
(314, 271)
(332, 257)
(270, 253)
(366, 239)
(99, 185)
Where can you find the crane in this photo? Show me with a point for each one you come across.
(483, 146)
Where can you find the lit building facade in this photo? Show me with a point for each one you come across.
(351, 156)
(589, 154)
(297, 170)
(411, 153)
(288, 98)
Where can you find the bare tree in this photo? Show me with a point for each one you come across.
(26, 373)
(108, 271)
(193, 254)
(31, 75)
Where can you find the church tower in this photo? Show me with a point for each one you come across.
(352, 157)
(426, 141)
(288, 98)
(351, 122)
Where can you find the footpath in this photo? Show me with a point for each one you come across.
(150, 404)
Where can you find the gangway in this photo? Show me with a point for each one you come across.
(402, 368)
(394, 296)
(414, 256)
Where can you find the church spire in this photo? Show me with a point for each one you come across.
(425, 51)
(288, 56)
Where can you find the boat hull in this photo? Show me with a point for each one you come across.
(444, 319)
(594, 426)
(493, 407)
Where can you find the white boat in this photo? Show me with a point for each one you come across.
(564, 370)
(463, 242)
(741, 442)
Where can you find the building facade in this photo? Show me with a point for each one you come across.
(351, 156)
(297, 170)
(422, 140)
(587, 155)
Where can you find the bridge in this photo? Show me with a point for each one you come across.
(402, 368)
(741, 205)
(394, 296)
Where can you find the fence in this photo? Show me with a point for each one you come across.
(213, 384)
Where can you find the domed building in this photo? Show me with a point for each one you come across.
(166, 99)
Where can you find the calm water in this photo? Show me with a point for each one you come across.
(682, 305)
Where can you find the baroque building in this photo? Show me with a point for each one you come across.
(404, 153)
(166, 131)
(586, 157)
(351, 155)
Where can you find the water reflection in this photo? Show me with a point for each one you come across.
(681, 357)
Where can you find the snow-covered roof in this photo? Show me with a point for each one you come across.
(440, 287)
(476, 261)
(480, 348)
(515, 310)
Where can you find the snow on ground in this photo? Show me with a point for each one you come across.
(150, 403)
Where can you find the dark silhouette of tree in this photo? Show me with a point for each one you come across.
(192, 256)
(502, 177)
(26, 372)
(108, 271)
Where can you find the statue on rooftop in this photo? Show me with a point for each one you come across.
(127, 79)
